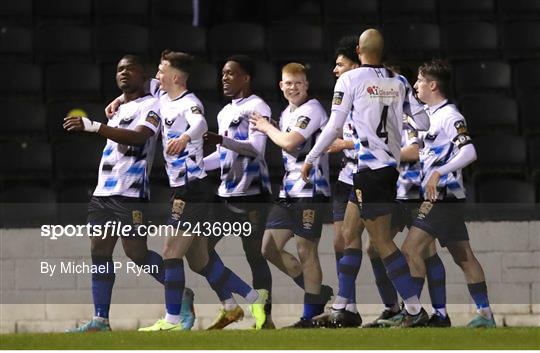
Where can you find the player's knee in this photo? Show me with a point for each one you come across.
(268, 251)
(306, 253)
(139, 256)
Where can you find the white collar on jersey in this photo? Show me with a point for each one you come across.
(436, 107)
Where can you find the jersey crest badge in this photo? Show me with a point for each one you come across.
(302, 122)
(338, 98)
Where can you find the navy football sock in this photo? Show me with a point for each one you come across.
(174, 285)
(400, 275)
(313, 306)
(223, 279)
(479, 294)
(349, 265)
(384, 284)
(299, 280)
(153, 258)
(436, 277)
(102, 285)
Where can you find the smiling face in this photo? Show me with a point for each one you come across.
(234, 79)
(343, 64)
(294, 87)
(130, 76)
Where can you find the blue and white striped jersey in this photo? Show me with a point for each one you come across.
(243, 175)
(177, 116)
(308, 120)
(377, 99)
(124, 170)
(351, 156)
(408, 184)
(448, 133)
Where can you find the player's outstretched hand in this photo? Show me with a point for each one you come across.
(431, 186)
(177, 145)
(78, 123)
(211, 138)
(259, 122)
(306, 170)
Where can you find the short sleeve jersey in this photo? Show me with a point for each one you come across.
(408, 184)
(351, 156)
(308, 120)
(124, 170)
(376, 98)
(242, 175)
(447, 133)
(177, 115)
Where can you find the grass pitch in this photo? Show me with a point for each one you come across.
(423, 338)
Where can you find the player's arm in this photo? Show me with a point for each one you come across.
(339, 145)
(135, 137)
(465, 156)
(197, 128)
(288, 141)
(411, 151)
(211, 161)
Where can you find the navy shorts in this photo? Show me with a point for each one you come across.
(303, 216)
(120, 209)
(443, 220)
(341, 194)
(190, 203)
(375, 191)
(404, 214)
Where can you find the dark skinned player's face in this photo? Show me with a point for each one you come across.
(233, 79)
(130, 76)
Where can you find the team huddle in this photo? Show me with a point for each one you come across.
(403, 151)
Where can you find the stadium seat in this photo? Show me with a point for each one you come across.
(78, 158)
(180, 37)
(534, 155)
(475, 77)
(114, 41)
(21, 81)
(26, 119)
(61, 43)
(293, 11)
(488, 114)
(465, 10)
(412, 40)
(57, 111)
(265, 83)
(298, 42)
(321, 79)
(64, 12)
(121, 11)
(500, 153)
(332, 33)
(234, 38)
(470, 40)
(71, 81)
(530, 113)
(408, 10)
(351, 11)
(506, 190)
(27, 205)
(171, 12)
(519, 9)
(26, 159)
(16, 12)
(204, 81)
(526, 76)
(16, 45)
(521, 40)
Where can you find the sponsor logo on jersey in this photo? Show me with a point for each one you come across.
(377, 92)
(196, 110)
(412, 134)
(153, 118)
(302, 122)
(308, 218)
(169, 122)
(338, 98)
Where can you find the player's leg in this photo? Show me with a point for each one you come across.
(436, 281)
(476, 282)
(273, 244)
(311, 269)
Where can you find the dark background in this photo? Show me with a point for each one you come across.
(57, 55)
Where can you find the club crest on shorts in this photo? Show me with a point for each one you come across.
(359, 197)
(424, 209)
(136, 217)
(177, 208)
(308, 218)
